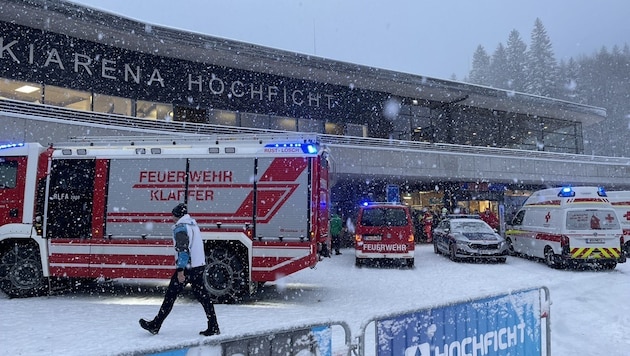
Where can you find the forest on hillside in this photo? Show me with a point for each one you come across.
(599, 79)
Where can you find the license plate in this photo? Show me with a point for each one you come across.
(372, 237)
(594, 241)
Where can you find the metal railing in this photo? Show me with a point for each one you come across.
(49, 113)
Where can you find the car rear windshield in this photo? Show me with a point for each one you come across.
(592, 220)
(470, 226)
(384, 217)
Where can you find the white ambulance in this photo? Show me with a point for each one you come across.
(568, 226)
(620, 200)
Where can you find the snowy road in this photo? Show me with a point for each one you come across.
(590, 311)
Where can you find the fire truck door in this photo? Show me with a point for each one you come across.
(68, 216)
(12, 180)
(71, 189)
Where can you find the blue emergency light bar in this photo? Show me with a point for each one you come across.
(11, 145)
(368, 203)
(567, 192)
(309, 148)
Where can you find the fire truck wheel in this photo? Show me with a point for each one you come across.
(21, 273)
(225, 276)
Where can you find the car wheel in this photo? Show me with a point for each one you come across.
(501, 260)
(435, 248)
(453, 252)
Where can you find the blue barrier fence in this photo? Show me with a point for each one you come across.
(315, 339)
(515, 323)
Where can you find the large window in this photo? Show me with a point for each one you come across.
(223, 117)
(17, 90)
(308, 125)
(255, 120)
(67, 98)
(332, 128)
(282, 123)
(112, 104)
(356, 130)
(154, 111)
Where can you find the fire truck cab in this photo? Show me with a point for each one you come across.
(100, 208)
(384, 231)
(568, 226)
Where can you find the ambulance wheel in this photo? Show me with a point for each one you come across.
(550, 258)
(21, 273)
(511, 251)
(359, 262)
(608, 266)
(410, 263)
(225, 276)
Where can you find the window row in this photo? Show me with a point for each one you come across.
(87, 101)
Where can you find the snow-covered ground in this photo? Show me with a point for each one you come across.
(590, 311)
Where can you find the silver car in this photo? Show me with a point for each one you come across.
(468, 238)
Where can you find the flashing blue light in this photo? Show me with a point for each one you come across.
(308, 148)
(566, 192)
(601, 192)
(11, 145)
(312, 149)
(365, 203)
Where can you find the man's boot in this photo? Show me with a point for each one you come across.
(150, 326)
(213, 329)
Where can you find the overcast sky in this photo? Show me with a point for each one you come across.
(435, 38)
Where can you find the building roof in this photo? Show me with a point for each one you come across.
(115, 30)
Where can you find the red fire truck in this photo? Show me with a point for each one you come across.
(100, 209)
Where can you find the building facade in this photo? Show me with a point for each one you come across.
(56, 53)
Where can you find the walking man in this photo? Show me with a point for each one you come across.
(190, 262)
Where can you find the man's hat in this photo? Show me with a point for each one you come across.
(180, 210)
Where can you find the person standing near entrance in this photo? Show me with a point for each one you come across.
(190, 263)
(336, 226)
(427, 222)
(490, 219)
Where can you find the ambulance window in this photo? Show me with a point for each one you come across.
(8, 174)
(518, 219)
(592, 220)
